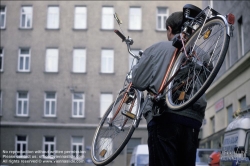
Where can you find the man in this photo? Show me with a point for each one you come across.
(173, 136)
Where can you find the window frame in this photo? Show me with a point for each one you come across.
(21, 146)
(49, 147)
(107, 16)
(48, 68)
(78, 101)
(2, 57)
(22, 105)
(82, 15)
(76, 69)
(104, 104)
(162, 28)
(106, 68)
(131, 21)
(57, 24)
(24, 56)
(229, 108)
(5, 17)
(31, 18)
(77, 147)
(50, 104)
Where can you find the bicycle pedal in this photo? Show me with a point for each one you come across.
(182, 96)
(128, 114)
(103, 152)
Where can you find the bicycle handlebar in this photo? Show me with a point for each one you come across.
(120, 35)
(128, 41)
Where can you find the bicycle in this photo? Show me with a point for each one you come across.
(200, 51)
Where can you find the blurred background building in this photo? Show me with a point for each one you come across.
(230, 92)
(61, 65)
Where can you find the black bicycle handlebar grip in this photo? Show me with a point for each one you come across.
(120, 34)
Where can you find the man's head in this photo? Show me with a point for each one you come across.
(173, 24)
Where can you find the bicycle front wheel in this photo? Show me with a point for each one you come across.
(114, 131)
(194, 73)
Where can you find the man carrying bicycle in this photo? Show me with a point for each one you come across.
(172, 135)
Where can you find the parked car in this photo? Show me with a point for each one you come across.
(140, 156)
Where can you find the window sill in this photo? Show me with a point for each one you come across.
(22, 116)
(52, 29)
(135, 30)
(25, 29)
(51, 72)
(158, 30)
(25, 72)
(79, 29)
(3, 28)
(72, 72)
(50, 117)
(106, 73)
(107, 29)
(48, 158)
(22, 157)
(77, 117)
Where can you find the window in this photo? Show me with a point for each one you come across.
(241, 37)
(26, 17)
(24, 60)
(106, 100)
(2, 17)
(107, 18)
(21, 146)
(243, 103)
(78, 105)
(51, 60)
(1, 59)
(135, 18)
(80, 17)
(49, 147)
(50, 104)
(229, 114)
(132, 61)
(53, 17)
(22, 104)
(77, 147)
(162, 14)
(107, 65)
(79, 61)
(212, 120)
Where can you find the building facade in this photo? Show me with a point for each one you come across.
(230, 91)
(61, 65)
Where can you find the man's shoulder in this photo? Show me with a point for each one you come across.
(161, 44)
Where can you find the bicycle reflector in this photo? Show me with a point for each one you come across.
(207, 34)
(230, 18)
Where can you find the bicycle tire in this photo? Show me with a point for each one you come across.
(109, 137)
(187, 87)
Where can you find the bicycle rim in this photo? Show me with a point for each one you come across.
(196, 73)
(109, 138)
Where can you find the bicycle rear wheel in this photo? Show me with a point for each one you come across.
(193, 75)
(112, 135)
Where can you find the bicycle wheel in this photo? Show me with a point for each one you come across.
(112, 134)
(195, 73)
